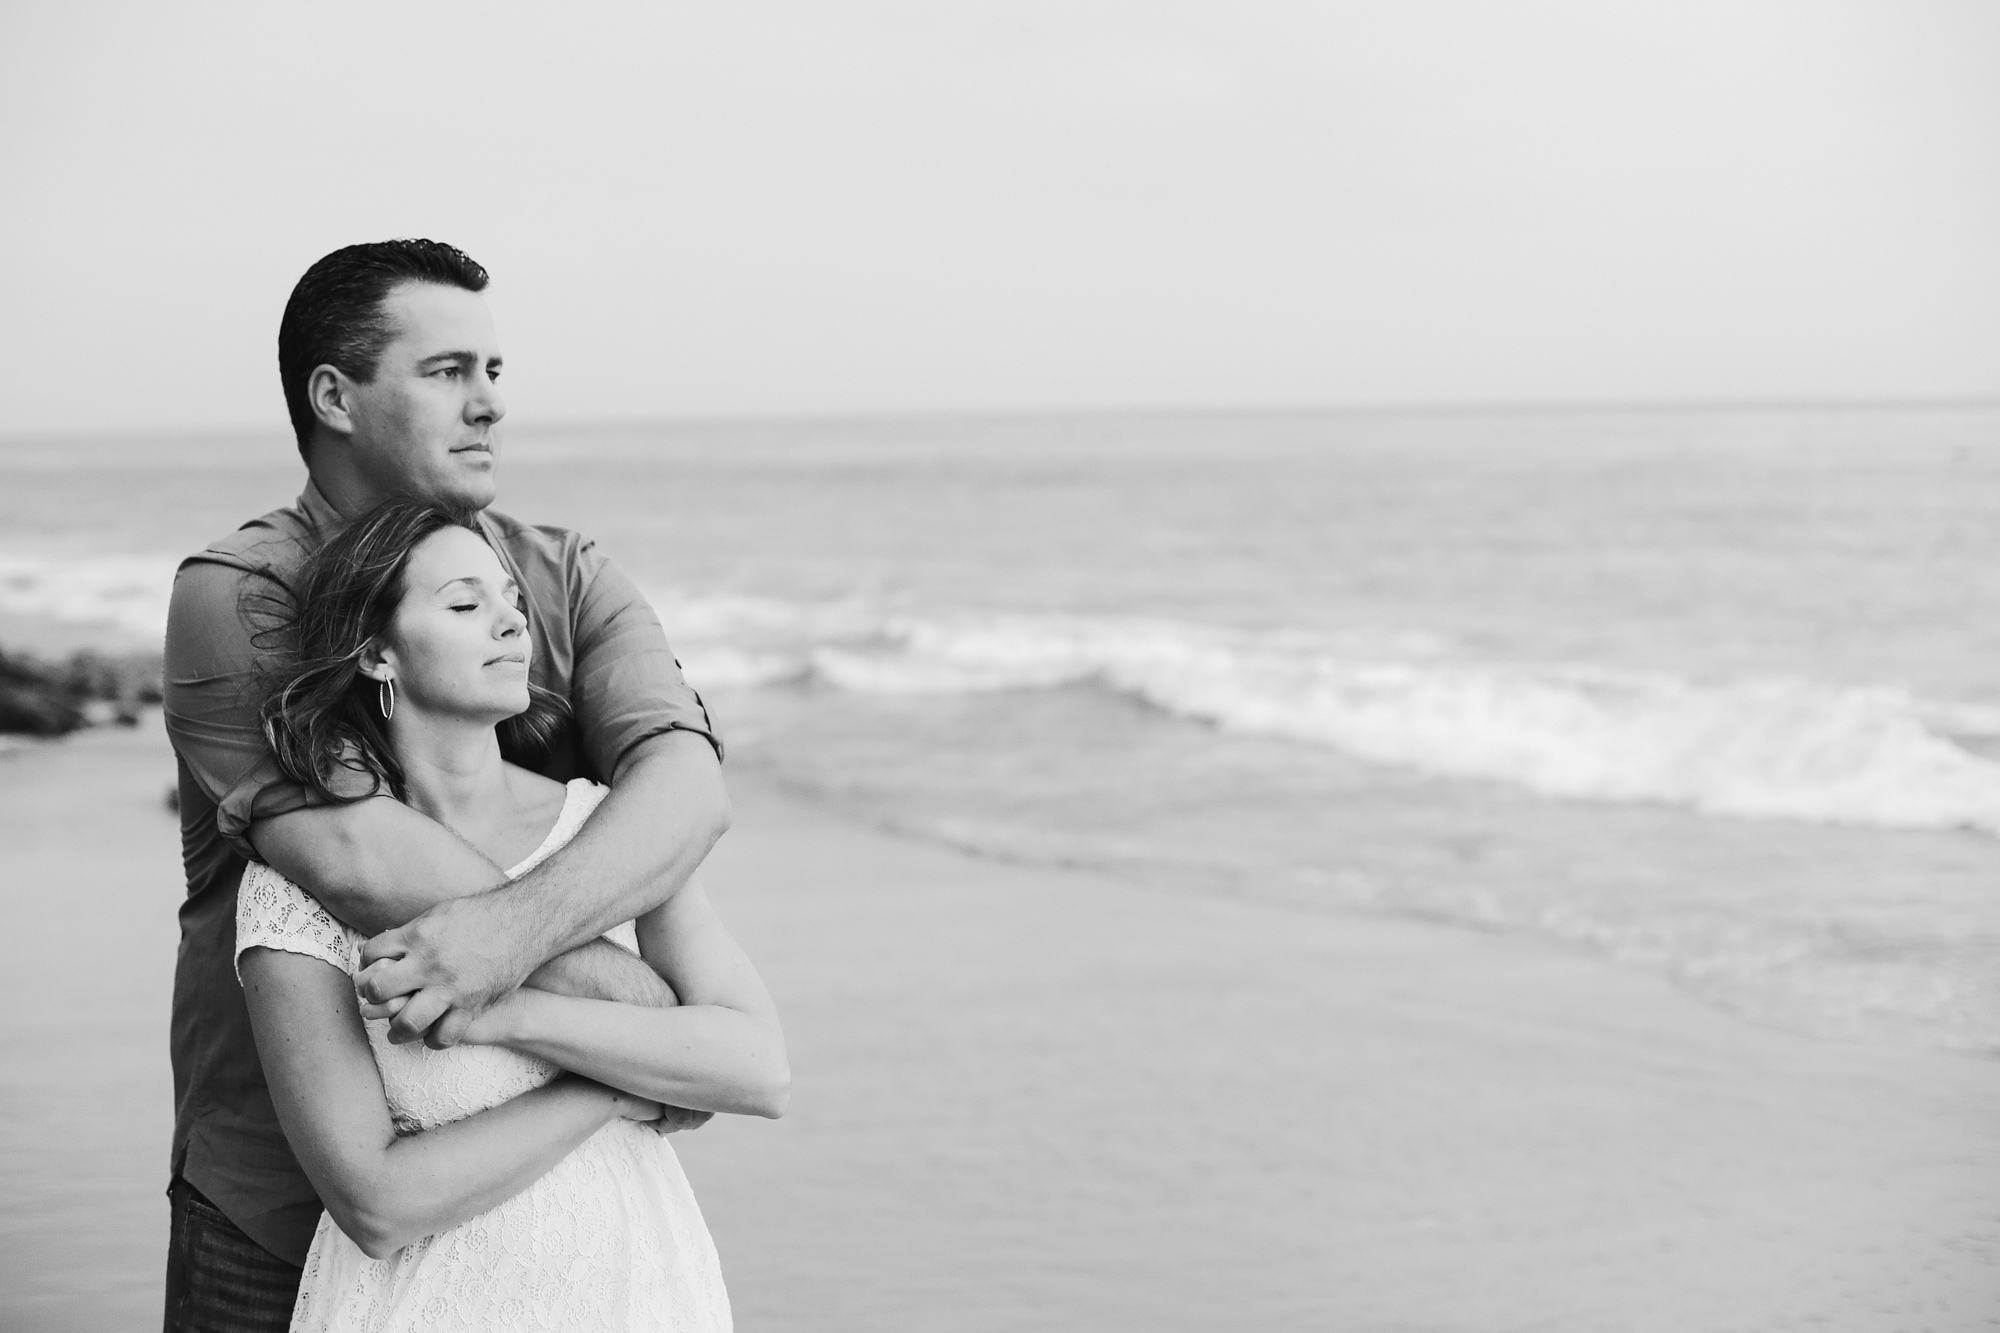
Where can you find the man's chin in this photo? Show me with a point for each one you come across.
(469, 491)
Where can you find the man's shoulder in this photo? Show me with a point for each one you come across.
(561, 552)
(227, 580)
(513, 530)
(273, 542)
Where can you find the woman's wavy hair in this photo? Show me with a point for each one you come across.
(320, 713)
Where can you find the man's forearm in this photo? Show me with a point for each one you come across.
(665, 811)
(600, 970)
(376, 864)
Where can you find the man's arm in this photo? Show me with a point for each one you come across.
(665, 811)
(374, 863)
(377, 864)
(638, 722)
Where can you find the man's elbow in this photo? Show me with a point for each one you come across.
(680, 768)
(709, 809)
(719, 815)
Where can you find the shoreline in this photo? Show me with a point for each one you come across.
(1034, 1097)
(1434, 1128)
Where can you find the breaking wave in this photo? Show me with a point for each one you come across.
(1760, 748)
(127, 593)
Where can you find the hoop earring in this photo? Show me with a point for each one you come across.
(385, 696)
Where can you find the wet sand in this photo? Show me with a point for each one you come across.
(1033, 1099)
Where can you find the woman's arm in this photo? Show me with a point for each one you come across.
(720, 1050)
(386, 1190)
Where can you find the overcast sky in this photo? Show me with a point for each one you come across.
(838, 207)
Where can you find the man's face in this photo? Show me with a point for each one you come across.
(425, 426)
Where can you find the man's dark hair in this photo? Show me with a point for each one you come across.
(335, 315)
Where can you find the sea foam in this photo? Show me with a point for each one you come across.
(127, 593)
(1761, 748)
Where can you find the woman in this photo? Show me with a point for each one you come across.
(480, 1187)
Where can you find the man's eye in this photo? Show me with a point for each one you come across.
(450, 372)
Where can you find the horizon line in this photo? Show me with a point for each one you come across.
(1492, 407)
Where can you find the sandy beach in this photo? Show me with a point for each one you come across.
(1032, 1099)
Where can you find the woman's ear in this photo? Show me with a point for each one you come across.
(378, 661)
(331, 395)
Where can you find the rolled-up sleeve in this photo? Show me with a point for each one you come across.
(210, 686)
(625, 686)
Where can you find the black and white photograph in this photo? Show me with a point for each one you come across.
(1099, 667)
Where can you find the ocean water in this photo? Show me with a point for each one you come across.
(1711, 693)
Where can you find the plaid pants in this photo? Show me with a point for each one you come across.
(218, 1279)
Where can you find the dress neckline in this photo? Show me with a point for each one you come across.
(558, 833)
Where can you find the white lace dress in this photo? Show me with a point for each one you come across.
(611, 1238)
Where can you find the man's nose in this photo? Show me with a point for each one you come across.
(486, 404)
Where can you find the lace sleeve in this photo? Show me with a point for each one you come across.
(274, 912)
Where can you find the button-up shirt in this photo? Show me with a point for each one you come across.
(597, 643)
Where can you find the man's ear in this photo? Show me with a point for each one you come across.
(331, 395)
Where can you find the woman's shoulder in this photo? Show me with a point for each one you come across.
(274, 913)
(538, 799)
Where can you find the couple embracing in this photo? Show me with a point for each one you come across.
(447, 976)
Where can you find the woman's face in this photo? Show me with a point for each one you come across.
(458, 646)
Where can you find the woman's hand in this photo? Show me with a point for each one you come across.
(498, 1024)
(674, 1119)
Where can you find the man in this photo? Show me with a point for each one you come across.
(389, 360)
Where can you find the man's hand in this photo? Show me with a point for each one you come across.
(448, 966)
(597, 970)
(460, 956)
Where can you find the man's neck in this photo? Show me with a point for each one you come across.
(343, 487)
